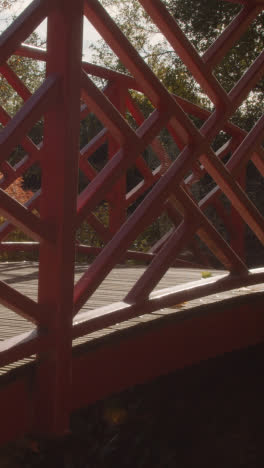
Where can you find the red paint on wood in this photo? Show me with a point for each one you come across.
(148, 353)
(170, 189)
(58, 208)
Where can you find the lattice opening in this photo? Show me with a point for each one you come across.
(20, 65)
(168, 148)
(32, 178)
(203, 187)
(90, 126)
(252, 108)
(88, 32)
(219, 144)
(218, 222)
(14, 102)
(133, 178)
(221, 14)
(39, 36)
(100, 157)
(240, 57)
(105, 57)
(254, 250)
(143, 108)
(151, 158)
(87, 235)
(131, 120)
(17, 155)
(94, 232)
(255, 187)
(134, 13)
(199, 253)
(148, 238)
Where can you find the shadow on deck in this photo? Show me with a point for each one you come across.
(135, 351)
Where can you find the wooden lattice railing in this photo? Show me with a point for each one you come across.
(52, 216)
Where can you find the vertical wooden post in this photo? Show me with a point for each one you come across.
(58, 208)
(117, 205)
(238, 234)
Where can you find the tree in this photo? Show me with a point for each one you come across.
(31, 74)
(144, 35)
(202, 21)
(29, 71)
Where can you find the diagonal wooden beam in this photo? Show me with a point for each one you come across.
(21, 217)
(23, 26)
(19, 347)
(219, 48)
(151, 85)
(31, 111)
(7, 227)
(15, 82)
(19, 303)
(194, 222)
(186, 51)
(134, 144)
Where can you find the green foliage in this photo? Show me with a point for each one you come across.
(86, 234)
(202, 21)
(152, 233)
(147, 40)
(206, 274)
(29, 71)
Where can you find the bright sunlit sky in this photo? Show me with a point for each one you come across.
(90, 34)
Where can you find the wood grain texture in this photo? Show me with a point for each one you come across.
(23, 276)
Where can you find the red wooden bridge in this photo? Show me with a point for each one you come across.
(130, 323)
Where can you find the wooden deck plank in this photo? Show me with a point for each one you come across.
(23, 276)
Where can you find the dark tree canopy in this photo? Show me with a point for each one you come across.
(202, 21)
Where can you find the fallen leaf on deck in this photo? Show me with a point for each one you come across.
(177, 306)
(206, 274)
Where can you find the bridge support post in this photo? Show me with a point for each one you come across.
(238, 234)
(58, 209)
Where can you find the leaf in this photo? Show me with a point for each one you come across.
(206, 274)
(115, 416)
(177, 306)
